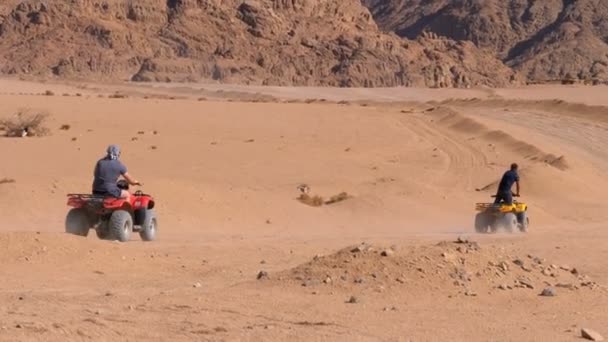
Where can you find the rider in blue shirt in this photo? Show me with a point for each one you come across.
(506, 183)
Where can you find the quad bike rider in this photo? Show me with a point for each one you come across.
(112, 210)
(504, 212)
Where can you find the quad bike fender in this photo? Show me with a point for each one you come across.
(143, 202)
(116, 204)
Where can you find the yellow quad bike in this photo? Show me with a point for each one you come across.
(492, 217)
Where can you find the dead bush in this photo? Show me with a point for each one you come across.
(65, 127)
(118, 96)
(25, 123)
(313, 201)
(7, 181)
(49, 93)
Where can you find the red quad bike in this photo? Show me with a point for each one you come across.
(112, 218)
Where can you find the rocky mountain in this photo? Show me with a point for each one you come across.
(272, 42)
(542, 40)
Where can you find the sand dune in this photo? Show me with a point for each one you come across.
(225, 175)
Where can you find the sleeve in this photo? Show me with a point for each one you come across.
(123, 169)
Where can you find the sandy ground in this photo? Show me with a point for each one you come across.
(224, 171)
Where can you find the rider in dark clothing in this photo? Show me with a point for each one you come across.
(107, 172)
(506, 183)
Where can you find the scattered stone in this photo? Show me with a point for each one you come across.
(353, 300)
(197, 285)
(392, 308)
(310, 282)
(262, 275)
(359, 281)
(18, 326)
(574, 271)
(361, 248)
(566, 268)
(462, 239)
(470, 293)
(502, 287)
(21, 298)
(327, 280)
(525, 282)
(387, 252)
(504, 266)
(400, 280)
(518, 262)
(548, 292)
(591, 335)
(565, 286)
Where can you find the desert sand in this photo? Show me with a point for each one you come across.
(238, 258)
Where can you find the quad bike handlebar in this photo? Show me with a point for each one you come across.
(514, 195)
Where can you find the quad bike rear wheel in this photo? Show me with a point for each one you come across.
(523, 221)
(77, 222)
(121, 225)
(482, 222)
(149, 226)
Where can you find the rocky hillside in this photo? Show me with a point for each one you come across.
(544, 40)
(273, 42)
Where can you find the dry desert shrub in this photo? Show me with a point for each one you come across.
(313, 201)
(25, 123)
(6, 181)
(337, 198)
(118, 96)
(317, 201)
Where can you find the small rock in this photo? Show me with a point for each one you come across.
(359, 281)
(518, 262)
(574, 271)
(549, 292)
(131, 307)
(263, 262)
(18, 326)
(387, 252)
(262, 275)
(502, 287)
(392, 308)
(470, 293)
(566, 268)
(197, 285)
(591, 335)
(21, 298)
(400, 280)
(353, 300)
(504, 266)
(327, 280)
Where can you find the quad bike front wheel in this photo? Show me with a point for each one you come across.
(523, 221)
(103, 230)
(121, 225)
(509, 222)
(150, 226)
(77, 222)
